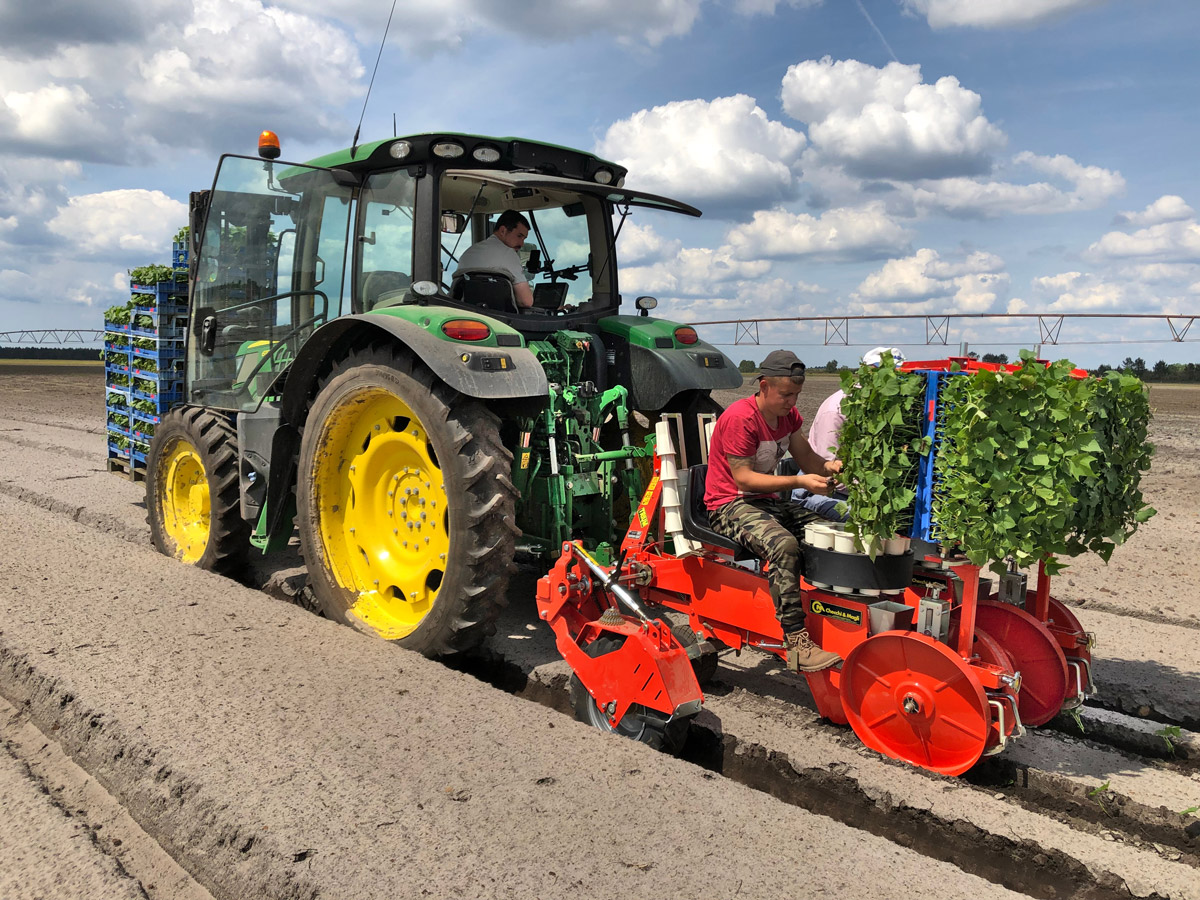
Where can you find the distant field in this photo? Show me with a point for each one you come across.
(56, 363)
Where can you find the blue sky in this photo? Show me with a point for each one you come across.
(875, 158)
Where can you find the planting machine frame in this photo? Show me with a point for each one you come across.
(939, 674)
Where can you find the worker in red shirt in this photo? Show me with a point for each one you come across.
(742, 492)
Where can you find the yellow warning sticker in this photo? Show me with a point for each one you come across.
(525, 460)
(643, 518)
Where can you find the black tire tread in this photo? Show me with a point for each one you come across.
(483, 493)
(215, 438)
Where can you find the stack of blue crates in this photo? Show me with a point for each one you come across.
(144, 362)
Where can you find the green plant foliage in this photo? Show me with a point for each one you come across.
(119, 314)
(1109, 504)
(1037, 464)
(116, 400)
(147, 407)
(119, 420)
(181, 235)
(150, 274)
(881, 449)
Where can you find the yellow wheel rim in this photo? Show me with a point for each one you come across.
(383, 515)
(184, 499)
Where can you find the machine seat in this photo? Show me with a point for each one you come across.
(487, 290)
(695, 514)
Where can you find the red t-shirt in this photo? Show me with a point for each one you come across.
(742, 431)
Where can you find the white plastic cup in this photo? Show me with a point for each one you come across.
(819, 536)
(843, 542)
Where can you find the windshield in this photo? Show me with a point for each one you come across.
(562, 258)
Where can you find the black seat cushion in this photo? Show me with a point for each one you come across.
(695, 514)
(487, 290)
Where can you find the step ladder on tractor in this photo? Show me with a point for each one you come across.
(938, 670)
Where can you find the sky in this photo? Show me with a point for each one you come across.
(851, 157)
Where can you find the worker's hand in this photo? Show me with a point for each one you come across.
(816, 484)
(833, 467)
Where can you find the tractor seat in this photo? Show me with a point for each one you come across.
(695, 513)
(487, 290)
(383, 288)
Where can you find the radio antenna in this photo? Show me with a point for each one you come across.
(371, 83)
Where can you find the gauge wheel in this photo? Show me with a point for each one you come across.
(638, 723)
(192, 492)
(405, 506)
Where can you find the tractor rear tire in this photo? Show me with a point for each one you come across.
(637, 724)
(405, 505)
(193, 498)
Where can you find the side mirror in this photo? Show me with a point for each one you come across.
(453, 223)
(645, 304)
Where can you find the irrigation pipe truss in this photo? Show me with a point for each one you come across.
(937, 327)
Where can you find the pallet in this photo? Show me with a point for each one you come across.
(127, 467)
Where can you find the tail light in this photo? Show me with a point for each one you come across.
(686, 335)
(466, 330)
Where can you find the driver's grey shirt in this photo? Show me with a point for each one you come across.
(493, 255)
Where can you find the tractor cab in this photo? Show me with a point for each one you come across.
(286, 248)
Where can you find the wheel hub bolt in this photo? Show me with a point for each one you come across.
(911, 706)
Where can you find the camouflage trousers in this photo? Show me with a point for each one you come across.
(771, 529)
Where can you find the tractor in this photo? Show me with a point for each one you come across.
(415, 426)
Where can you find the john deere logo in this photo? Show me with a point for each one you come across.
(821, 608)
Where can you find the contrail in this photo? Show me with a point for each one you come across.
(871, 22)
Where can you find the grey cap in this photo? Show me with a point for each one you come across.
(781, 363)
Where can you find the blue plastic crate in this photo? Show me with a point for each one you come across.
(166, 396)
(120, 348)
(174, 328)
(179, 258)
(138, 453)
(167, 369)
(147, 418)
(115, 452)
(116, 326)
(167, 351)
(114, 369)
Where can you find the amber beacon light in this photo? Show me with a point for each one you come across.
(268, 145)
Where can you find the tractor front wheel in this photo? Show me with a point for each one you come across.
(405, 506)
(192, 491)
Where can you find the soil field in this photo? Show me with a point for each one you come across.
(219, 740)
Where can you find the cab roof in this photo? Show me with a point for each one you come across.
(505, 153)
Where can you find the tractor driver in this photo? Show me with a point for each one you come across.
(498, 253)
(742, 492)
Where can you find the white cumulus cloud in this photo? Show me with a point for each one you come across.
(1167, 208)
(120, 221)
(844, 233)
(725, 152)
(994, 13)
(1168, 241)
(925, 281)
(887, 123)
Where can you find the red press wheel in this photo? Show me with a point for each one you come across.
(914, 699)
(1036, 655)
(988, 649)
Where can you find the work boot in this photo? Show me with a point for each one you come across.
(805, 656)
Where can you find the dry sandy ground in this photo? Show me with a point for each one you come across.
(1098, 815)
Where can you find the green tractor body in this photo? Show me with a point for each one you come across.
(417, 426)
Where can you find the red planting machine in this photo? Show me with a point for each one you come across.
(938, 670)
